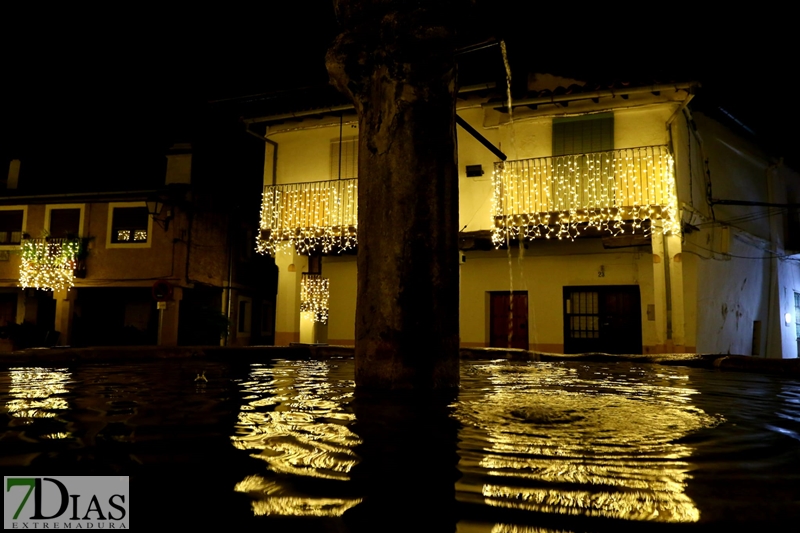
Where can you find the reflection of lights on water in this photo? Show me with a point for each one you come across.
(269, 498)
(297, 421)
(34, 392)
(637, 505)
(513, 528)
(56, 436)
(615, 435)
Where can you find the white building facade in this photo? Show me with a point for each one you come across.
(621, 221)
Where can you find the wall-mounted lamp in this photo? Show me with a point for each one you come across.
(155, 206)
(787, 319)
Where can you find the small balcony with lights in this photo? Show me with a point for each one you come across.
(563, 197)
(311, 217)
(51, 263)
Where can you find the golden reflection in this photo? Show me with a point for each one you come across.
(269, 498)
(511, 528)
(581, 439)
(34, 392)
(296, 420)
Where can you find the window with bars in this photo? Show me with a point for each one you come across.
(344, 158)
(584, 315)
(797, 314)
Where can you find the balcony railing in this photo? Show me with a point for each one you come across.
(560, 196)
(319, 215)
(49, 263)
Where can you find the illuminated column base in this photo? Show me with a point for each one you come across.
(168, 321)
(312, 332)
(65, 304)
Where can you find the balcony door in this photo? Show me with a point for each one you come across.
(508, 318)
(605, 318)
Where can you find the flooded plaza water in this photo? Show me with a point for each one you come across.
(289, 445)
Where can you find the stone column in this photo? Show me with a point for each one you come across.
(65, 305)
(169, 319)
(396, 60)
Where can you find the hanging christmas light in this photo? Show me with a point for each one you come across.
(560, 197)
(49, 264)
(320, 215)
(314, 294)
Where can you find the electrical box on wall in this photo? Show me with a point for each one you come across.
(474, 171)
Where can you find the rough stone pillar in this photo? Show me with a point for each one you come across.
(168, 319)
(395, 59)
(65, 305)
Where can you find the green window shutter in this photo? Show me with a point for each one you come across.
(584, 134)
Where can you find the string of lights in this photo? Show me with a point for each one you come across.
(49, 264)
(314, 294)
(558, 197)
(320, 215)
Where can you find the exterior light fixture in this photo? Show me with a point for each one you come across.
(155, 206)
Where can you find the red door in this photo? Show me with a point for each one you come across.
(508, 319)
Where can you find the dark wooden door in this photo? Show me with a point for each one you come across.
(508, 319)
(604, 319)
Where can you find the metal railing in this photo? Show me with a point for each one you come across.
(319, 215)
(559, 196)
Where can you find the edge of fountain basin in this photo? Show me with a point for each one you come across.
(98, 354)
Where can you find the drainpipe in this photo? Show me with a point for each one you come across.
(269, 142)
(226, 297)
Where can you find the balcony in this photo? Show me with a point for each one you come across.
(562, 196)
(313, 216)
(49, 264)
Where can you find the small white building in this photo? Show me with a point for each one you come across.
(622, 221)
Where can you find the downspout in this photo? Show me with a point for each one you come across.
(269, 142)
(227, 301)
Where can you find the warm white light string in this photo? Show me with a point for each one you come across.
(320, 215)
(558, 197)
(314, 294)
(49, 264)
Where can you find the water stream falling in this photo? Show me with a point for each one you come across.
(508, 233)
(512, 139)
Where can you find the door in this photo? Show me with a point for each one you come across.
(508, 317)
(604, 319)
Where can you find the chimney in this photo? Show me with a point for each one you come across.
(179, 164)
(13, 174)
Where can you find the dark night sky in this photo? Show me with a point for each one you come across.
(97, 97)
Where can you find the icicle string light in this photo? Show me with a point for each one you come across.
(49, 264)
(320, 215)
(314, 294)
(559, 197)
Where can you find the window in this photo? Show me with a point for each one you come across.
(797, 314)
(344, 158)
(12, 225)
(130, 225)
(64, 221)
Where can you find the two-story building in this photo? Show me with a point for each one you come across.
(620, 219)
(170, 265)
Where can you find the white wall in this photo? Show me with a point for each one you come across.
(545, 268)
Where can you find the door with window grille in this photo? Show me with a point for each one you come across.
(602, 319)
